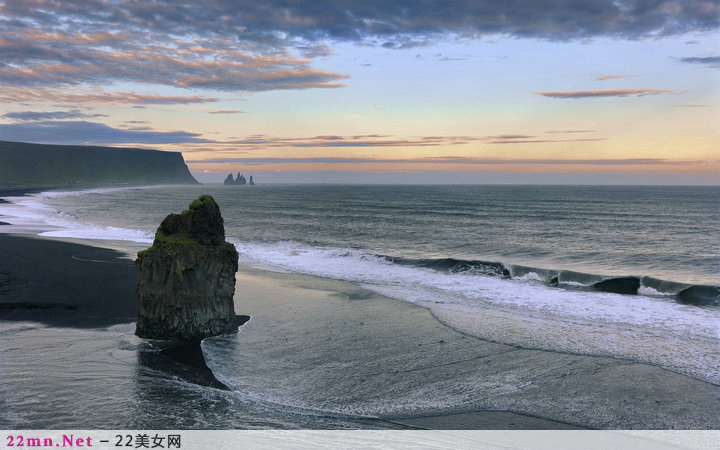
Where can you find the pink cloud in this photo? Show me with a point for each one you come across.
(605, 93)
(20, 94)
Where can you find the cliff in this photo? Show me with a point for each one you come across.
(23, 165)
(186, 280)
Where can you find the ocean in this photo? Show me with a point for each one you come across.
(628, 273)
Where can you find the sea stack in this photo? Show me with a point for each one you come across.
(186, 280)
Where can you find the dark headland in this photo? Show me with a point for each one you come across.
(29, 165)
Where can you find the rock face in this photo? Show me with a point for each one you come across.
(229, 180)
(23, 164)
(186, 280)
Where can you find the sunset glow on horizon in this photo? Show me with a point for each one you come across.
(461, 91)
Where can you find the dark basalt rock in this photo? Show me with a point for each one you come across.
(239, 181)
(186, 280)
(201, 223)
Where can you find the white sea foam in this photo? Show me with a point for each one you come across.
(645, 290)
(530, 276)
(90, 231)
(34, 212)
(653, 330)
(573, 283)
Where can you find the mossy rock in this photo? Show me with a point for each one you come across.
(201, 224)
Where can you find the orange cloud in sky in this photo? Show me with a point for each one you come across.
(226, 111)
(46, 95)
(610, 77)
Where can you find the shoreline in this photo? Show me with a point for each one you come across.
(96, 267)
(365, 336)
(59, 279)
(693, 292)
(604, 384)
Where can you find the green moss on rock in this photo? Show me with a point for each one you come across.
(201, 223)
(198, 202)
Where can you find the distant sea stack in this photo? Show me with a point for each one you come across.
(239, 181)
(186, 280)
(23, 165)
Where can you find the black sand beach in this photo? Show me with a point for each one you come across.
(64, 284)
(313, 342)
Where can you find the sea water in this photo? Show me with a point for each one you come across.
(624, 272)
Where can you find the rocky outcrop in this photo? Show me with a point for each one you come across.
(186, 280)
(239, 181)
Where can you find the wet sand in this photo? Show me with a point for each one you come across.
(329, 345)
(64, 284)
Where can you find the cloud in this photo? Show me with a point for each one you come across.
(95, 96)
(710, 61)
(27, 116)
(610, 77)
(605, 93)
(570, 131)
(262, 142)
(82, 132)
(315, 51)
(244, 45)
(37, 58)
(277, 21)
(691, 106)
(448, 160)
(402, 42)
(367, 140)
(542, 141)
(374, 140)
(510, 136)
(226, 111)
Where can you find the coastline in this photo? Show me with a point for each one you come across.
(293, 315)
(331, 340)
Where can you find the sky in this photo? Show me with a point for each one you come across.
(376, 91)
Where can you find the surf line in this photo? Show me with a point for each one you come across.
(91, 260)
